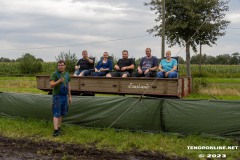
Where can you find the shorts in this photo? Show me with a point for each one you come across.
(120, 74)
(60, 105)
(86, 72)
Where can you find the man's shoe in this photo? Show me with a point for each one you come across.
(56, 133)
(59, 130)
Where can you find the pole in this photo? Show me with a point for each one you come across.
(163, 28)
(200, 60)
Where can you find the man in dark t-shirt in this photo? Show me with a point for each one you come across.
(83, 65)
(148, 65)
(124, 66)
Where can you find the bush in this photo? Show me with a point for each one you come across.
(70, 60)
(28, 64)
(199, 83)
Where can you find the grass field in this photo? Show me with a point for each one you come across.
(216, 88)
(109, 139)
(122, 141)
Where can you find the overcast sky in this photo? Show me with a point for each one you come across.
(45, 28)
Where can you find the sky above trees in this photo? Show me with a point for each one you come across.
(45, 28)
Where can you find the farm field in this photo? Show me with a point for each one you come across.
(213, 71)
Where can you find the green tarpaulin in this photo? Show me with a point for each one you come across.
(220, 118)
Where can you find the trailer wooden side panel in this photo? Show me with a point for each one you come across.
(176, 87)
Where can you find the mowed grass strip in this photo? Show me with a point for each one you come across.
(117, 141)
(19, 85)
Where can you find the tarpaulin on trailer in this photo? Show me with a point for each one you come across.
(221, 118)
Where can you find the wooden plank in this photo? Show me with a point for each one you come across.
(99, 85)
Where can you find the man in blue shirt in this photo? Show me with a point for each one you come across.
(168, 67)
(148, 65)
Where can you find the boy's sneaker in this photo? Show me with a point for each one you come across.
(59, 130)
(56, 133)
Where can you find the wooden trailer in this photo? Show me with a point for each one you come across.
(161, 87)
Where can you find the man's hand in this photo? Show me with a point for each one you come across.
(117, 68)
(61, 80)
(77, 67)
(123, 68)
(166, 74)
(140, 71)
(146, 71)
(69, 100)
(96, 70)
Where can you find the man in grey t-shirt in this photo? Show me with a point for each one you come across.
(147, 66)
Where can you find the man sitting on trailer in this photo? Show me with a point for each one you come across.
(124, 66)
(83, 65)
(148, 65)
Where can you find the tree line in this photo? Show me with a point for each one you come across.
(226, 59)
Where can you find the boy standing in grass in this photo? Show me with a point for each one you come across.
(59, 81)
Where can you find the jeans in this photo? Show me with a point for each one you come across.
(173, 74)
(99, 74)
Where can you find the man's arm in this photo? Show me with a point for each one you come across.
(127, 67)
(117, 67)
(69, 94)
(89, 60)
(53, 83)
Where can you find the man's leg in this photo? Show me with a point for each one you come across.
(59, 121)
(82, 73)
(113, 74)
(87, 73)
(76, 73)
(64, 110)
(173, 74)
(101, 74)
(124, 74)
(108, 75)
(160, 75)
(95, 74)
(148, 74)
(55, 123)
(56, 109)
(136, 74)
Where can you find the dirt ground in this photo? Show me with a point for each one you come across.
(22, 149)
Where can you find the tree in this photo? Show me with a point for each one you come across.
(191, 22)
(70, 60)
(195, 59)
(29, 64)
(2, 59)
(235, 58)
(181, 60)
